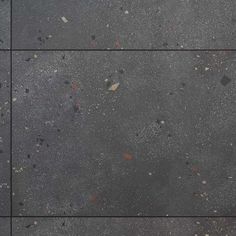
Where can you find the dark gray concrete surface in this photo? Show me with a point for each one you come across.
(4, 24)
(4, 134)
(4, 226)
(125, 227)
(124, 24)
(163, 143)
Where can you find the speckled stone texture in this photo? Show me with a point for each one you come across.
(124, 24)
(4, 134)
(124, 133)
(5, 226)
(125, 227)
(4, 24)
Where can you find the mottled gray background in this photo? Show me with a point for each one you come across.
(5, 226)
(125, 227)
(124, 24)
(4, 24)
(4, 134)
(163, 143)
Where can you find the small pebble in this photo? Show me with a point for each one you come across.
(64, 19)
(114, 87)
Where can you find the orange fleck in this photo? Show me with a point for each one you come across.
(93, 198)
(127, 156)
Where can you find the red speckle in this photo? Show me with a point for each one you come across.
(93, 198)
(127, 156)
(78, 104)
(93, 44)
(195, 169)
(74, 86)
(117, 44)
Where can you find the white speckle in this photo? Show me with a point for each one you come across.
(150, 173)
(14, 99)
(55, 71)
(207, 68)
(126, 12)
(35, 56)
(204, 182)
(18, 170)
(162, 122)
(64, 19)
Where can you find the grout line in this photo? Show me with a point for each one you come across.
(54, 216)
(11, 166)
(11, 211)
(126, 50)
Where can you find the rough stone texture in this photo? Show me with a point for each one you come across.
(125, 227)
(4, 134)
(124, 24)
(4, 24)
(5, 226)
(163, 143)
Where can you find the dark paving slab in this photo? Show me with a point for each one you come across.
(5, 226)
(124, 24)
(161, 143)
(4, 24)
(4, 134)
(125, 227)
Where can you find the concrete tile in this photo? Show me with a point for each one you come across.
(124, 24)
(4, 134)
(4, 24)
(124, 227)
(161, 143)
(5, 226)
